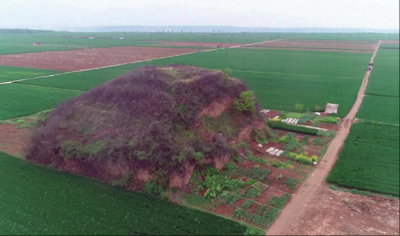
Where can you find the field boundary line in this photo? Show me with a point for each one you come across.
(135, 62)
(308, 190)
(39, 86)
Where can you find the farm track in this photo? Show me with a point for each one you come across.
(295, 209)
(103, 67)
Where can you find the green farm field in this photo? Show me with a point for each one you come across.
(369, 159)
(380, 109)
(279, 78)
(9, 73)
(384, 80)
(60, 203)
(11, 43)
(21, 100)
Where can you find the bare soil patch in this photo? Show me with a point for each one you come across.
(390, 42)
(13, 141)
(332, 41)
(196, 44)
(318, 45)
(84, 59)
(271, 114)
(337, 213)
(310, 49)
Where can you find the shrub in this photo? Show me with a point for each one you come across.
(279, 202)
(319, 142)
(246, 102)
(293, 128)
(230, 199)
(256, 173)
(251, 182)
(304, 159)
(299, 107)
(247, 204)
(255, 159)
(291, 183)
(252, 192)
(230, 166)
(302, 121)
(281, 165)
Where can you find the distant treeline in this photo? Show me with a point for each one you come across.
(22, 31)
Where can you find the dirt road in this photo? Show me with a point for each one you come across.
(293, 212)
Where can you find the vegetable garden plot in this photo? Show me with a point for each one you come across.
(369, 159)
(35, 200)
(21, 100)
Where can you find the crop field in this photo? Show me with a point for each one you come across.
(8, 73)
(369, 159)
(12, 43)
(280, 79)
(65, 204)
(21, 100)
(83, 59)
(380, 109)
(384, 80)
(320, 44)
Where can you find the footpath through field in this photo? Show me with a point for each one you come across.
(70, 72)
(297, 206)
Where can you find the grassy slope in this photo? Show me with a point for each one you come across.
(20, 100)
(279, 78)
(9, 73)
(369, 159)
(35, 200)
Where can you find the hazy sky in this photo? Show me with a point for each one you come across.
(379, 14)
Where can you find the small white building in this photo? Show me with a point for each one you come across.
(331, 108)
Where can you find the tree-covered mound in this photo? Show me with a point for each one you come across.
(155, 121)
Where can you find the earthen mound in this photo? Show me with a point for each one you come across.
(156, 123)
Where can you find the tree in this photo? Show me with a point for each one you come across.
(299, 107)
(245, 102)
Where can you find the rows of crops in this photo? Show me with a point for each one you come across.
(380, 109)
(384, 80)
(9, 73)
(369, 159)
(34, 200)
(11, 43)
(21, 100)
(281, 79)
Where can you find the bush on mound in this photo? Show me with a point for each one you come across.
(147, 124)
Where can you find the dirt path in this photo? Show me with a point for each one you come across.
(63, 73)
(316, 181)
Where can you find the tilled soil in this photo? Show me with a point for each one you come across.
(196, 44)
(390, 42)
(310, 49)
(319, 45)
(84, 59)
(13, 141)
(337, 213)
